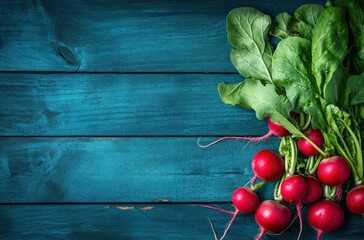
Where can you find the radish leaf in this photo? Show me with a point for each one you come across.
(329, 45)
(252, 94)
(306, 17)
(291, 71)
(335, 88)
(356, 85)
(280, 25)
(248, 33)
(355, 14)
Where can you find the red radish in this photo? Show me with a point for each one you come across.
(355, 200)
(314, 191)
(272, 216)
(245, 200)
(274, 129)
(293, 190)
(325, 216)
(267, 165)
(316, 137)
(333, 171)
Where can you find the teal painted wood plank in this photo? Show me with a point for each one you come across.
(124, 169)
(142, 221)
(131, 36)
(120, 105)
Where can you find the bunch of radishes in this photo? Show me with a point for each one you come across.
(305, 178)
(310, 87)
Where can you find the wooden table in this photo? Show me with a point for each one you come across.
(101, 107)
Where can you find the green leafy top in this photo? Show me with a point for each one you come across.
(329, 45)
(355, 14)
(306, 17)
(316, 70)
(281, 25)
(300, 24)
(355, 83)
(248, 33)
(253, 94)
(292, 71)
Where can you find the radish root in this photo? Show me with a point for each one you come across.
(217, 209)
(252, 139)
(213, 229)
(299, 213)
(260, 235)
(230, 223)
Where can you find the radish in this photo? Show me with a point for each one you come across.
(267, 165)
(355, 200)
(325, 216)
(333, 171)
(274, 130)
(272, 216)
(314, 191)
(293, 190)
(245, 200)
(306, 147)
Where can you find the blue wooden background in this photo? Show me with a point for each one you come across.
(101, 106)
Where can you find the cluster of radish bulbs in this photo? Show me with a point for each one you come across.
(304, 178)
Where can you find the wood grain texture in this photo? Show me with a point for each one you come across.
(128, 36)
(142, 221)
(110, 152)
(120, 105)
(123, 169)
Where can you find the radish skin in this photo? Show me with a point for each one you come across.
(276, 129)
(355, 200)
(333, 171)
(272, 216)
(245, 200)
(306, 147)
(293, 190)
(325, 216)
(268, 165)
(314, 190)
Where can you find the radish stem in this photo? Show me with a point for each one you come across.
(293, 160)
(293, 130)
(277, 189)
(359, 156)
(308, 121)
(257, 186)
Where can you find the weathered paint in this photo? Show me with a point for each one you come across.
(164, 221)
(118, 138)
(121, 36)
(127, 169)
(120, 105)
